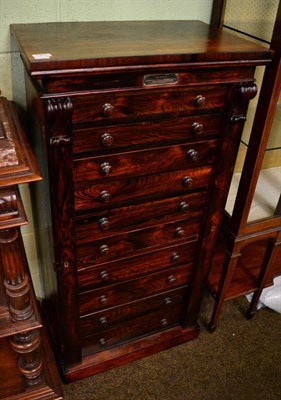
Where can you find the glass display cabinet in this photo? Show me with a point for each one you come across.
(247, 254)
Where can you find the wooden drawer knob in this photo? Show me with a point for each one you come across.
(102, 342)
(104, 224)
(105, 196)
(187, 181)
(192, 155)
(103, 321)
(104, 250)
(197, 128)
(172, 280)
(104, 276)
(167, 301)
(107, 140)
(164, 322)
(103, 300)
(179, 232)
(175, 256)
(200, 101)
(108, 109)
(183, 206)
(105, 168)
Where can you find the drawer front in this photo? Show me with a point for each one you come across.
(132, 104)
(144, 162)
(129, 79)
(133, 328)
(135, 289)
(106, 194)
(105, 321)
(113, 272)
(164, 132)
(136, 241)
(118, 220)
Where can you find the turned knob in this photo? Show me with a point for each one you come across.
(105, 196)
(179, 232)
(103, 300)
(187, 181)
(197, 128)
(167, 301)
(102, 342)
(104, 276)
(175, 256)
(104, 250)
(103, 321)
(104, 224)
(200, 101)
(108, 109)
(164, 322)
(183, 206)
(107, 140)
(172, 279)
(192, 155)
(105, 168)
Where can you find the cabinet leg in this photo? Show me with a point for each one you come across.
(229, 265)
(268, 260)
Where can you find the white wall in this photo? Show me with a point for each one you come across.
(29, 11)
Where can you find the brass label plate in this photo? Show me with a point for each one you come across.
(160, 79)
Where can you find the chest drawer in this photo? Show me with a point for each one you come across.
(114, 221)
(144, 162)
(167, 304)
(126, 292)
(143, 103)
(125, 269)
(107, 194)
(104, 139)
(111, 247)
(133, 329)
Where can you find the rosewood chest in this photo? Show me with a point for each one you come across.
(136, 126)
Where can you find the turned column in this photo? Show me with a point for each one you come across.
(15, 280)
(29, 362)
(17, 288)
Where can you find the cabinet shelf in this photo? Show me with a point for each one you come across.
(245, 277)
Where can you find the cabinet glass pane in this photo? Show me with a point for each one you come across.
(267, 193)
(253, 17)
(268, 189)
(254, 20)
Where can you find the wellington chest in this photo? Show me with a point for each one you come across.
(136, 126)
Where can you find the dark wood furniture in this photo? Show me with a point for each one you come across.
(27, 369)
(247, 256)
(137, 126)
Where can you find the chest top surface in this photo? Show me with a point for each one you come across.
(64, 46)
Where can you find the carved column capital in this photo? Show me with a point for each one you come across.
(59, 117)
(8, 204)
(244, 92)
(247, 90)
